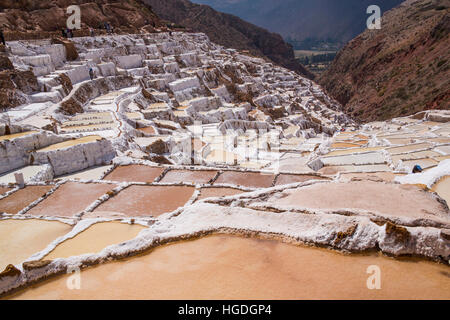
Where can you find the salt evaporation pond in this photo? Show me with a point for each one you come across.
(95, 238)
(290, 178)
(246, 179)
(147, 200)
(71, 198)
(70, 143)
(218, 192)
(187, 176)
(16, 135)
(134, 173)
(19, 239)
(149, 130)
(442, 188)
(230, 267)
(388, 199)
(22, 198)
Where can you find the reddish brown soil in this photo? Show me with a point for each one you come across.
(292, 178)
(175, 176)
(12, 84)
(147, 200)
(48, 16)
(22, 198)
(246, 179)
(134, 173)
(71, 198)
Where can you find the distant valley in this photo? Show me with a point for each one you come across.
(306, 24)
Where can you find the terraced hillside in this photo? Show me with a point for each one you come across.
(172, 137)
(229, 31)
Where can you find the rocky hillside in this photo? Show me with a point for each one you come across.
(398, 70)
(229, 31)
(35, 19)
(39, 18)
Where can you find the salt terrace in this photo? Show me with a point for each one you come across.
(179, 138)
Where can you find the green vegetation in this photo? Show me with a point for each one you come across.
(315, 44)
(317, 58)
(315, 61)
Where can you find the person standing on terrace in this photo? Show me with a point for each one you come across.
(108, 27)
(2, 37)
(91, 74)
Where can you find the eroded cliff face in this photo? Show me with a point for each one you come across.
(229, 31)
(14, 83)
(38, 19)
(398, 70)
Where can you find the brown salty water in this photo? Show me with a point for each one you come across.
(19, 239)
(230, 267)
(95, 239)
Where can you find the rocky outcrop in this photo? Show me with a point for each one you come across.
(14, 84)
(229, 31)
(34, 19)
(10, 271)
(71, 51)
(399, 70)
(5, 63)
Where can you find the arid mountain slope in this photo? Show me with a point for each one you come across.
(398, 70)
(39, 17)
(229, 31)
(35, 19)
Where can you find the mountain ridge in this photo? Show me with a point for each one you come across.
(402, 69)
(303, 22)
